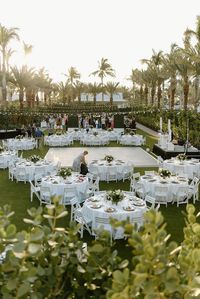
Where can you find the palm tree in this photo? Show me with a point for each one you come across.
(79, 88)
(94, 89)
(72, 75)
(104, 69)
(21, 79)
(63, 91)
(6, 35)
(194, 55)
(171, 70)
(111, 88)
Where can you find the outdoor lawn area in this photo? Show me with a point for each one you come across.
(17, 195)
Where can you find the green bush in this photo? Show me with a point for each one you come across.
(47, 261)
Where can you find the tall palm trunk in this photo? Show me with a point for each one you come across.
(102, 96)
(172, 92)
(141, 93)
(111, 99)
(159, 93)
(95, 98)
(196, 88)
(152, 94)
(146, 91)
(37, 100)
(185, 92)
(4, 91)
(21, 98)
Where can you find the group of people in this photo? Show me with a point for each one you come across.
(103, 121)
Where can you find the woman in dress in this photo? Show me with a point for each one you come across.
(76, 166)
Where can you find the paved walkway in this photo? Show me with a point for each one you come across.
(147, 130)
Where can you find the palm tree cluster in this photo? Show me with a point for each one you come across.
(29, 83)
(167, 77)
(170, 76)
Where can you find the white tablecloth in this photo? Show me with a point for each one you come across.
(58, 140)
(101, 168)
(57, 184)
(129, 207)
(21, 144)
(6, 157)
(173, 184)
(131, 139)
(43, 167)
(189, 167)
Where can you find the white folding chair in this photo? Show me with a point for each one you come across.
(161, 194)
(150, 202)
(149, 172)
(45, 195)
(182, 196)
(34, 190)
(75, 207)
(84, 223)
(69, 193)
(111, 174)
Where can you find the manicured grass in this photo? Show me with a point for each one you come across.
(17, 195)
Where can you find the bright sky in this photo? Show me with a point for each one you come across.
(79, 33)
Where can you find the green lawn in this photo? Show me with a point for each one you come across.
(17, 195)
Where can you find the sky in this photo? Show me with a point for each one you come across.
(79, 33)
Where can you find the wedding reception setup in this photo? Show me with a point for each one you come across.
(99, 150)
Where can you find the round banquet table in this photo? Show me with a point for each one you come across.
(173, 183)
(57, 184)
(189, 167)
(97, 206)
(7, 156)
(101, 167)
(21, 144)
(131, 139)
(58, 140)
(43, 167)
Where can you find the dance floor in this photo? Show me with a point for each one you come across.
(138, 156)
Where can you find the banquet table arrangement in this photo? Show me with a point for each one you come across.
(58, 140)
(57, 185)
(128, 139)
(108, 171)
(21, 144)
(190, 168)
(26, 170)
(99, 207)
(164, 189)
(6, 157)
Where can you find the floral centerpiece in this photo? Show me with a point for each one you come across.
(1, 148)
(164, 173)
(34, 158)
(109, 158)
(110, 129)
(181, 157)
(65, 172)
(59, 132)
(95, 133)
(115, 196)
(19, 137)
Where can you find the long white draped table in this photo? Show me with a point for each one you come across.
(101, 168)
(57, 184)
(98, 206)
(58, 140)
(21, 144)
(173, 183)
(31, 169)
(128, 139)
(189, 167)
(6, 157)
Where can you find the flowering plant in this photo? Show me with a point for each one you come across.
(34, 158)
(164, 173)
(19, 137)
(115, 196)
(109, 158)
(65, 172)
(181, 157)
